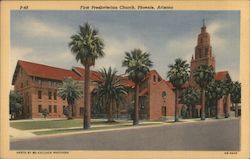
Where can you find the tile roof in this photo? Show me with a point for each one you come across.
(44, 71)
(127, 82)
(94, 75)
(222, 75)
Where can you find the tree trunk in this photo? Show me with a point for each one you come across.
(86, 120)
(190, 111)
(176, 118)
(117, 110)
(236, 110)
(110, 114)
(70, 112)
(73, 110)
(217, 109)
(202, 104)
(227, 107)
(136, 107)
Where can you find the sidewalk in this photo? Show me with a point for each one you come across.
(16, 134)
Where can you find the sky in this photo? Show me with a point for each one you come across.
(43, 37)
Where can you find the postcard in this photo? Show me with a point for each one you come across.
(124, 79)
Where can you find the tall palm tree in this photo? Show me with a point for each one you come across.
(203, 76)
(178, 75)
(87, 47)
(111, 89)
(138, 64)
(236, 95)
(71, 91)
(190, 97)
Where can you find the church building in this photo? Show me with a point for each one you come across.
(38, 84)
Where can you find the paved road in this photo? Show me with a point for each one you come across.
(213, 135)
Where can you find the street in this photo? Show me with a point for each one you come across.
(221, 135)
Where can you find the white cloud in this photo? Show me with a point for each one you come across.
(114, 52)
(218, 43)
(35, 28)
(181, 47)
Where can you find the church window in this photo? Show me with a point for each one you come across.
(39, 82)
(55, 108)
(50, 94)
(39, 108)
(55, 95)
(40, 94)
(50, 84)
(154, 78)
(50, 108)
(159, 79)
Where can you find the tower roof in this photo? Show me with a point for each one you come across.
(203, 28)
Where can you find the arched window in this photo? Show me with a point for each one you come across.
(164, 94)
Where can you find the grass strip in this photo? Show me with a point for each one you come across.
(93, 128)
(50, 124)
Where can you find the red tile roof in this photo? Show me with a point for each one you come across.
(44, 71)
(127, 82)
(223, 75)
(94, 75)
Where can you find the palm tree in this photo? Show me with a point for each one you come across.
(178, 75)
(210, 99)
(227, 89)
(138, 64)
(236, 95)
(71, 91)
(87, 47)
(203, 76)
(111, 89)
(190, 97)
(215, 92)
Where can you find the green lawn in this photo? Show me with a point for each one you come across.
(46, 124)
(49, 124)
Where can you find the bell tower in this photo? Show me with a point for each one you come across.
(203, 51)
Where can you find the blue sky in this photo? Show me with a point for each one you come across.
(43, 36)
